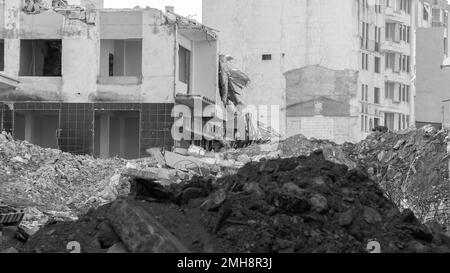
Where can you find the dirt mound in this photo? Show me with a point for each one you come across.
(412, 168)
(303, 204)
(312, 205)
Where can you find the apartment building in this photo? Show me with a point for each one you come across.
(337, 69)
(97, 81)
(433, 79)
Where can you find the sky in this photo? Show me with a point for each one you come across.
(183, 7)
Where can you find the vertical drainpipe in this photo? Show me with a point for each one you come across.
(175, 55)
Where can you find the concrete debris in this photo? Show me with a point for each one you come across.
(412, 168)
(48, 183)
(140, 232)
(35, 6)
(85, 14)
(296, 195)
(313, 206)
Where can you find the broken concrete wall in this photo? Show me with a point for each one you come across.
(79, 47)
(158, 56)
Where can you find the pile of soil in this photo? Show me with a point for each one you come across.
(303, 204)
(308, 204)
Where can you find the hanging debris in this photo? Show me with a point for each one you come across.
(231, 81)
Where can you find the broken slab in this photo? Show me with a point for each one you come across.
(181, 162)
(140, 232)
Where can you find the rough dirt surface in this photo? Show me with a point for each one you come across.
(304, 204)
(412, 168)
(312, 205)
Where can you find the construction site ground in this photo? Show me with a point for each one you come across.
(300, 195)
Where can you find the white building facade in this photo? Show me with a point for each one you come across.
(337, 69)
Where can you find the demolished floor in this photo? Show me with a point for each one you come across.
(301, 195)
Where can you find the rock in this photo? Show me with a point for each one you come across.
(419, 248)
(244, 159)
(9, 232)
(269, 167)
(255, 189)
(140, 232)
(346, 218)
(18, 159)
(281, 244)
(371, 216)
(106, 235)
(435, 227)
(118, 248)
(381, 156)
(293, 188)
(215, 201)
(319, 203)
(319, 181)
(408, 216)
(192, 193)
(399, 144)
(287, 164)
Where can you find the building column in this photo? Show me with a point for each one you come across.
(104, 135)
(29, 127)
(122, 137)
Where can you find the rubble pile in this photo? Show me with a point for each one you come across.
(299, 145)
(412, 168)
(308, 204)
(303, 204)
(48, 182)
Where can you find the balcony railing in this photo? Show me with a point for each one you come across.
(438, 24)
(370, 45)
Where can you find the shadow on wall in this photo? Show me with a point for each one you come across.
(316, 90)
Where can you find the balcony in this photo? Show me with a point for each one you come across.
(398, 47)
(370, 45)
(397, 16)
(438, 24)
(397, 77)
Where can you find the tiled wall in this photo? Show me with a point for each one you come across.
(76, 128)
(76, 134)
(156, 125)
(6, 118)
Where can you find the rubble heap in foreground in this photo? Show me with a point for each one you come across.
(51, 182)
(304, 204)
(412, 168)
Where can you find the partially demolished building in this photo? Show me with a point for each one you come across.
(97, 81)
